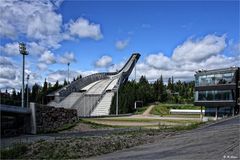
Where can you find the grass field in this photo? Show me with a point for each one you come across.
(140, 122)
(164, 109)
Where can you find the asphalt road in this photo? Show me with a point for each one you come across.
(214, 142)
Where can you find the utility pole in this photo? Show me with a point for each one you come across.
(23, 51)
(68, 71)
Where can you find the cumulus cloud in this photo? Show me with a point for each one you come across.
(84, 29)
(121, 44)
(8, 70)
(10, 49)
(199, 49)
(104, 61)
(47, 57)
(67, 58)
(61, 75)
(35, 49)
(184, 66)
(116, 67)
(159, 61)
(11, 74)
(36, 20)
(42, 66)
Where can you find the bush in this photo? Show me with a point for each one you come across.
(14, 152)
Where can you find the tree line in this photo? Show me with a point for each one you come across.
(145, 92)
(36, 93)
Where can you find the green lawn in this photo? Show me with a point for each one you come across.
(163, 109)
(140, 120)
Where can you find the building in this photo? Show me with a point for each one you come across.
(218, 90)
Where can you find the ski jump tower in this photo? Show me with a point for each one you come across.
(92, 95)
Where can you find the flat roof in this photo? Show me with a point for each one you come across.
(214, 71)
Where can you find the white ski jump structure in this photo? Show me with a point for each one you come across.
(92, 95)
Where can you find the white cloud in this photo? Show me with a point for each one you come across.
(121, 44)
(116, 67)
(47, 57)
(183, 71)
(104, 61)
(68, 57)
(84, 29)
(42, 66)
(10, 49)
(199, 49)
(7, 71)
(158, 64)
(34, 48)
(37, 20)
(61, 75)
(159, 61)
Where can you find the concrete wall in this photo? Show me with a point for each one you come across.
(49, 119)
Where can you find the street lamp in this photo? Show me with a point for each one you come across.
(68, 71)
(23, 51)
(27, 90)
(118, 85)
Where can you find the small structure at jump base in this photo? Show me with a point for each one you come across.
(92, 95)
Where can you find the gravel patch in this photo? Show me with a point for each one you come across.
(72, 148)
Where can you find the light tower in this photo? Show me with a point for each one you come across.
(23, 51)
(68, 71)
(27, 91)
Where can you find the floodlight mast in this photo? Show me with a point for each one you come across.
(27, 92)
(68, 71)
(23, 51)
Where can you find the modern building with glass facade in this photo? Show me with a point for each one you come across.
(218, 90)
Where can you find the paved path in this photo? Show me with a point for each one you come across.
(214, 142)
(148, 110)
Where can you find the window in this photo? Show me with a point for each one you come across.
(215, 79)
(215, 95)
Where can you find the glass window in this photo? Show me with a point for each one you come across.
(215, 95)
(228, 77)
(210, 79)
(215, 79)
(210, 95)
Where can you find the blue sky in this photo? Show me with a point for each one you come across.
(174, 37)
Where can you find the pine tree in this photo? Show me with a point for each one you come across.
(56, 85)
(65, 82)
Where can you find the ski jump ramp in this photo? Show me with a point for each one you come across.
(92, 95)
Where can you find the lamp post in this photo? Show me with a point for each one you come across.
(27, 91)
(68, 71)
(117, 102)
(23, 51)
(118, 85)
